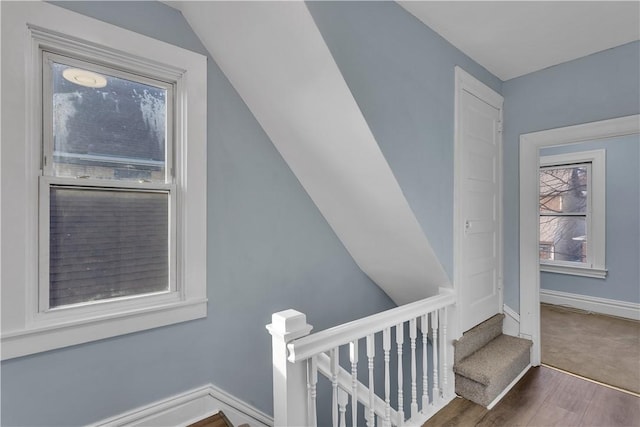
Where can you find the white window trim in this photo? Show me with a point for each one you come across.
(25, 27)
(596, 216)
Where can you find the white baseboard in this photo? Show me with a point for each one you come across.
(511, 323)
(610, 307)
(186, 408)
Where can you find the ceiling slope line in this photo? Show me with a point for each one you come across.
(276, 59)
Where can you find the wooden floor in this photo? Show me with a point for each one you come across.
(547, 397)
(217, 420)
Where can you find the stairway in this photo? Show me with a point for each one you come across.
(216, 420)
(486, 361)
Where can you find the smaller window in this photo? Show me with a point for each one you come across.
(571, 212)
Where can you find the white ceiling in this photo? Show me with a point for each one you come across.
(513, 38)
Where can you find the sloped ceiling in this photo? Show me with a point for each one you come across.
(276, 58)
(513, 38)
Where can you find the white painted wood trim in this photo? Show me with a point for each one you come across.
(595, 265)
(189, 407)
(311, 345)
(509, 387)
(344, 381)
(511, 323)
(628, 310)
(530, 145)
(32, 25)
(596, 273)
(466, 82)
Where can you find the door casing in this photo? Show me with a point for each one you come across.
(530, 145)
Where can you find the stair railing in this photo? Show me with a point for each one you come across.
(299, 356)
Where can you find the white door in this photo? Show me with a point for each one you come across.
(478, 198)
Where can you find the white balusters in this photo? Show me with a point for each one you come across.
(445, 364)
(425, 370)
(334, 385)
(353, 358)
(312, 381)
(371, 420)
(386, 347)
(399, 343)
(434, 327)
(414, 388)
(298, 358)
(343, 400)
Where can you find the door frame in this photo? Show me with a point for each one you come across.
(465, 82)
(530, 145)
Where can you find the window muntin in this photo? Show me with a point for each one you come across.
(107, 195)
(564, 212)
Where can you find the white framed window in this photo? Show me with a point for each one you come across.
(572, 213)
(104, 170)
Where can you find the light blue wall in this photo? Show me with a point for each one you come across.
(601, 86)
(269, 249)
(622, 226)
(401, 74)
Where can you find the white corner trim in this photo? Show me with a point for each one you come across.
(188, 407)
(511, 323)
(628, 310)
(509, 387)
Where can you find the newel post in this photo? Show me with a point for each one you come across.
(290, 407)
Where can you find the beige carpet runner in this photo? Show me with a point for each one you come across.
(486, 361)
(598, 347)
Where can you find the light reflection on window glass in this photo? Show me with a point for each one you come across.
(117, 131)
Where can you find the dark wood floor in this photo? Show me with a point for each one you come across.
(547, 397)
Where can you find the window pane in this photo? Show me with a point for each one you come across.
(563, 189)
(563, 238)
(112, 129)
(107, 244)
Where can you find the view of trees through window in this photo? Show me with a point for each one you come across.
(563, 212)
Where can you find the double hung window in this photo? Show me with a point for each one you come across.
(103, 181)
(107, 192)
(571, 212)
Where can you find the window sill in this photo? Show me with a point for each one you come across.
(42, 338)
(597, 273)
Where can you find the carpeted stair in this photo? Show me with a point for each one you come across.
(487, 361)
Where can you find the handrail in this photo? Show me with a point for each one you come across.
(310, 345)
(344, 382)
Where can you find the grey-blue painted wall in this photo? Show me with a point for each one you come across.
(601, 86)
(401, 74)
(622, 226)
(269, 249)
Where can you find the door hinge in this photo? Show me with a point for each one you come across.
(500, 127)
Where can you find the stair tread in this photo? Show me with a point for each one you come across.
(478, 336)
(489, 362)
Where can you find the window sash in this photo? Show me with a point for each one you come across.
(50, 56)
(587, 166)
(587, 214)
(46, 183)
